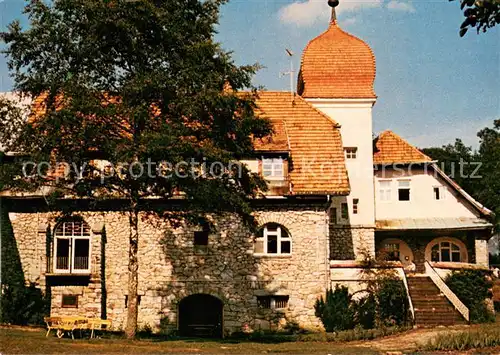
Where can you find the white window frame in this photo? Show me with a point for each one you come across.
(276, 168)
(351, 153)
(385, 192)
(451, 251)
(442, 192)
(72, 238)
(280, 237)
(404, 188)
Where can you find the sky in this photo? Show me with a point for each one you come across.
(432, 85)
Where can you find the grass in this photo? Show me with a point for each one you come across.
(22, 341)
(486, 336)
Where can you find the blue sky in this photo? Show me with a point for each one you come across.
(432, 85)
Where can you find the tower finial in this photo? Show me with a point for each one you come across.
(333, 4)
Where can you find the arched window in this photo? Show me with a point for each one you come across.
(273, 239)
(72, 247)
(446, 250)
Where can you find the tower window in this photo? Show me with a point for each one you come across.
(355, 206)
(351, 152)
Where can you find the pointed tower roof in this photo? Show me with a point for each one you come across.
(389, 148)
(337, 64)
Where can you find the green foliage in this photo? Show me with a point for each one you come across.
(482, 14)
(335, 310)
(459, 341)
(130, 82)
(366, 312)
(19, 304)
(477, 172)
(472, 287)
(392, 302)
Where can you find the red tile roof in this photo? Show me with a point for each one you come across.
(337, 64)
(389, 148)
(318, 165)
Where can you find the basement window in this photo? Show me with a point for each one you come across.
(404, 190)
(272, 302)
(69, 301)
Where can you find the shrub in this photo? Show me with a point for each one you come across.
(472, 287)
(392, 302)
(473, 339)
(335, 310)
(366, 312)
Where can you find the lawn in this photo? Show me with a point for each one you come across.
(22, 341)
(33, 341)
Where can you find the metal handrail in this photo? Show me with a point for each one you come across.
(410, 303)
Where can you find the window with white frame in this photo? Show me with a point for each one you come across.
(439, 193)
(273, 239)
(272, 168)
(385, 190)
(351, 152)
(404, 190)
(446, 251)
(72, 247)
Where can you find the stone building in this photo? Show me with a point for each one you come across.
(336, 197)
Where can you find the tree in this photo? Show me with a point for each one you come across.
(480, 14)
(138, 85)
(483, 184)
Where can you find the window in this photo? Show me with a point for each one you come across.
(201, 238)
(272, 168)
(385, 190)
(351, 152)
(272, 302)
(404, 190)
(355, 206)
(138, 300)
(333, 215)
(273, 239)
(392, 250)
(72, 247)
(439, 192)
(446, 252)
(69, 301)
(344, 210)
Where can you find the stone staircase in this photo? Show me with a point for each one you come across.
(430, 305)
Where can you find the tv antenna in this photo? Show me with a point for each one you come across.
(291, 72)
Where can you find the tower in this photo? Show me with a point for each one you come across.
(336, 76)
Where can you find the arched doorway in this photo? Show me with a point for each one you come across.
(201, 315)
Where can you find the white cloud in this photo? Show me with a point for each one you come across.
(306, 13)
(349, 21)
(400, 6)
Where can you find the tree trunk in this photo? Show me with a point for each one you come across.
(133, 266)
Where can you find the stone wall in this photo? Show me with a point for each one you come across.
(170, 268)
(482, 253)
(351, 243)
